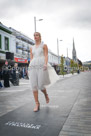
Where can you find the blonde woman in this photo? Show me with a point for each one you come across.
(39, 76)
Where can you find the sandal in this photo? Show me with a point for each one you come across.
(37, 107)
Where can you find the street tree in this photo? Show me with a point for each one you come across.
(72, 66)
(62, 65)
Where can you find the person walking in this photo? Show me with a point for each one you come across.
(16, 75)
(39, 76)
(6, 75)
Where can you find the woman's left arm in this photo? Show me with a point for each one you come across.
(45, 48)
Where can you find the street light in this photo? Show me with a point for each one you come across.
(58, 50)
(35, 22)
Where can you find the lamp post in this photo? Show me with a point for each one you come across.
(35, 23)
(58, 50)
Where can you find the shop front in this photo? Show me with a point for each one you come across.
(21, 62)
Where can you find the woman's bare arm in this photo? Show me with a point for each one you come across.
(45, 53)
(31, 55)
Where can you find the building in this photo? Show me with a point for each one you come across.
(87, 64)
(22, 45)
(67, 64)
(52, 58)
(14, 46)
(6, 40)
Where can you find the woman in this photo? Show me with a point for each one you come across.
(39, 76)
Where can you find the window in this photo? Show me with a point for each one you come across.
(0, 42)
(28, 48)
(28, 52)
(23, 53)
(6, 43)
(16, 47)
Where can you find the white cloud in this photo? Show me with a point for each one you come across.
(63, 19)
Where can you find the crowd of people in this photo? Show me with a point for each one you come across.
(12, 74)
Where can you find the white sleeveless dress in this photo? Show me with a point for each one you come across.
(40, 78)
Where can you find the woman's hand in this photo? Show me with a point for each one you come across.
(45, 67)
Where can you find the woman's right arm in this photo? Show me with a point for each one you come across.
(31, 55)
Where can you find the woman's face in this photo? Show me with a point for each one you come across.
(36, 36)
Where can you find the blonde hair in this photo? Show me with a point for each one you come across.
(39, 35)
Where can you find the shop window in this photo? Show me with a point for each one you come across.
(6, 43)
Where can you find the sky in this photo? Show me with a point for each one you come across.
(62, 20)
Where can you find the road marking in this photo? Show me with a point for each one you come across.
(22, 125)
(50, 106)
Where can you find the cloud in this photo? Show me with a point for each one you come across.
(12, 8)
(21, 6)
(70, 13)
(61, 18)
(80, 16)
(43, 6)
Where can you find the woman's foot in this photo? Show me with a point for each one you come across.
(47, 98)
(37, 107)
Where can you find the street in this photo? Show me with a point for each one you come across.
(67, 114)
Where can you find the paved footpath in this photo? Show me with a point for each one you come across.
(78, 122)
(67, 114)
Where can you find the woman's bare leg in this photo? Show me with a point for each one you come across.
(37, 107)
(46, 95)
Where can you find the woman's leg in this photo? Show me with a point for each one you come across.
(46, 95)
(37, 107)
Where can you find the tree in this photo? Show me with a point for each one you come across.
(62, 66)
(72, 66)
(75, 66)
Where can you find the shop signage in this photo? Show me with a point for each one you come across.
(21, 60)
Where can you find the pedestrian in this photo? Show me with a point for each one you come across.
(38, 69)
(1, 78)
(78, 71)
(6, 75)
(16, 75)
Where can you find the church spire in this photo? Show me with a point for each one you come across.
(74, 57)
(73, 44)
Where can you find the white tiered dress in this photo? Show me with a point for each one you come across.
(40, 78)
